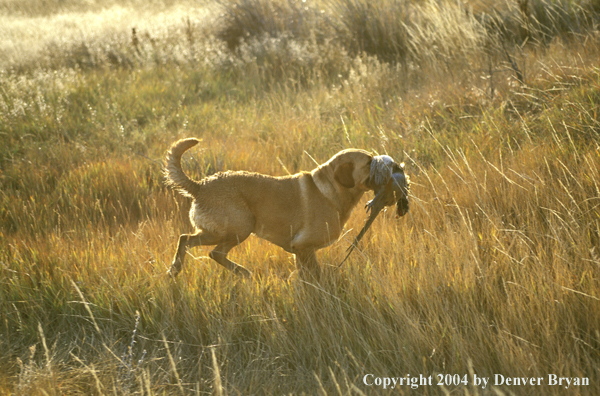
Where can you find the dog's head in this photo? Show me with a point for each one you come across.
(361, 170)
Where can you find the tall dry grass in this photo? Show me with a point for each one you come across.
(494, 271)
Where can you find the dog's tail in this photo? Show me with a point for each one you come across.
(172, 167)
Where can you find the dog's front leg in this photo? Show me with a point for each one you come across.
(307, 264)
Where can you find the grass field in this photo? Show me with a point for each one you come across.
(494, 108)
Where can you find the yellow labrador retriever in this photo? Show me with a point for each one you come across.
(300, 213)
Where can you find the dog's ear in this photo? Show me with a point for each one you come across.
(343, 174)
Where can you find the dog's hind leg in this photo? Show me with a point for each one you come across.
(219, 254)
(190, 240)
